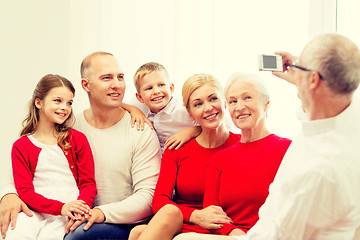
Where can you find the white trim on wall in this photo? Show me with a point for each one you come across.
(322, 17)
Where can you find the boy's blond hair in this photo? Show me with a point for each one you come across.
(146, 69)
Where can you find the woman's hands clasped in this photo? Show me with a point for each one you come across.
(211, 217)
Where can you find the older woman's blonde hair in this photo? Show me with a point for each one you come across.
(196, 81)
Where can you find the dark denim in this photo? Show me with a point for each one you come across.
(101, 231)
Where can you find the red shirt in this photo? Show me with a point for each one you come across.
(24, 156)
(185, 171)
(239, 178)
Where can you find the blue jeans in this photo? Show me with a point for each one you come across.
(103, 231)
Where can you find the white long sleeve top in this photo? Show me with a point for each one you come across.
(170, 120)
(127, 164)
(316, 192)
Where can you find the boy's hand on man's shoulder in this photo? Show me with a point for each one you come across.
(138, 118)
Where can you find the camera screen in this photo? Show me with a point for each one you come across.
(269, 61)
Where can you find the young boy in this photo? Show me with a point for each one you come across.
(167, 115)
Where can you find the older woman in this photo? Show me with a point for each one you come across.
(184, 170)
(239, 176)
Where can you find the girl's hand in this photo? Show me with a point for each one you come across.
(79, 217)
(75, 209)
(212, 217)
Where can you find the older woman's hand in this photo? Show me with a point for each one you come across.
(211, 217)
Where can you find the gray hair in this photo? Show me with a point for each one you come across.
(337, 59)
(253, 79)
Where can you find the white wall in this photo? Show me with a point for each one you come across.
(348, 20)
(33, 42)
(188, 37)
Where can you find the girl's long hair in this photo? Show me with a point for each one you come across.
(43, 87)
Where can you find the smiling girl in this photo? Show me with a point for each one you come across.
(52, 163)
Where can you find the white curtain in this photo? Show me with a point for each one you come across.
(186, 36)
(202, 36)
(348, 21)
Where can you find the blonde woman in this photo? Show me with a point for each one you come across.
(184, 170)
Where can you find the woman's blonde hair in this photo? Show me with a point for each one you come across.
(196, 81)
